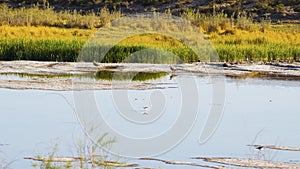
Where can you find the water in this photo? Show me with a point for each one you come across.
(256, 111)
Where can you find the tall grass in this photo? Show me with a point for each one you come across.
(35, 16)
(267, 46)
(39, 49)
(278, 43)
(137, 54)
(69, 50)
(235, 39)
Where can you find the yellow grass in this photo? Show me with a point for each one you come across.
(277, 42)
(42, 32)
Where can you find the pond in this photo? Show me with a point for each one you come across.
(256, 111)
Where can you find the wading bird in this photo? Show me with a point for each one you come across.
(172, 68)
(95, 63)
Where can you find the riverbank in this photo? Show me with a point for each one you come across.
(85, 75)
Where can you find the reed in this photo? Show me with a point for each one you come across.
(35, 16)
(277, 42)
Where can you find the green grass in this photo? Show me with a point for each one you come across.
(234, 40)
(229, 48)
(266, 52)
(46, 35)
(39, 49)
(35, 16)
(69, 51)
(134, 76)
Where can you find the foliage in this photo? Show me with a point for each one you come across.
(35, 16)
(89, 153)
(274, 42)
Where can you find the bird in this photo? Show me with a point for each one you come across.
(172, 68)
(145, 110)
(225, 64)
(259, 147)
(172, 76)
(95, 63)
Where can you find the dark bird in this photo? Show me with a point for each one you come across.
(259, 147)
(172, 76)
(225, 64)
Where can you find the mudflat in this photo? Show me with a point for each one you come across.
(63, 74)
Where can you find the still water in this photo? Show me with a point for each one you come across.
(256, 111)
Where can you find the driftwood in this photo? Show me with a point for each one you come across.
(253, 163)
(171, 162)
(49, 64)
(77, 159)
(55, 159)
(184, 163)
(115, 164)
(275, 147)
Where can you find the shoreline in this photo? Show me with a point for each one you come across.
(62, 73)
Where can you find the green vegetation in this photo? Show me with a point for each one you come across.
(89, 154)
(134, 76)
(231, 45)
(271, 45)
(99, 75)
(40, 32)
(42, 50)
(35, 16)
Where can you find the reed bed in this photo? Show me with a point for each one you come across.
(39, 49)
(66, 44)
(43, 34)
(47, 16)
(272, 45)
(276, 43)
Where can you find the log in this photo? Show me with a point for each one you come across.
(55, 159)
(252, 163)
(77, 159)
(185, 163)
(275, 147)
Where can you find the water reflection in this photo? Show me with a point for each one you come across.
(124, 76)
(100, 75)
